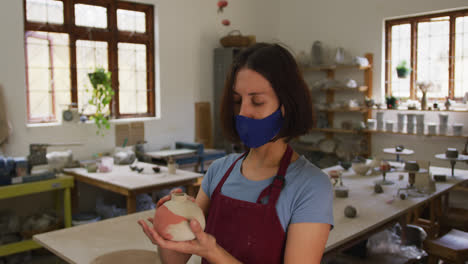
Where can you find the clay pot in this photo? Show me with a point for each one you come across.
(172, 219)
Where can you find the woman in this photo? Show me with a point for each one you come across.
(268, 205)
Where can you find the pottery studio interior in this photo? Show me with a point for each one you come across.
(112, 110)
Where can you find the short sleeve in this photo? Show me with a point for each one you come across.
(314, 203)
(207, 180)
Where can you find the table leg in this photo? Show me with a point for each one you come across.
(75, 198)
(397, 157)
(67, 212)
(452, 163)
(403, 222)
(131, 203)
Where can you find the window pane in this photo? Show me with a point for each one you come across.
(89, 56)
(44, 11)
(433, 56)
(90, 16)
(131, 21)
(461, 56)
(132, 78)
(48, 73)
(401, 51)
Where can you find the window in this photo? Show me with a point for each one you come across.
(435, 47)
(67, 39)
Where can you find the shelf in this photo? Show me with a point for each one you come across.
(339, 130)
(419, 110)
(345, 110)
(18, 247)
(336, 67)
(61, 182)
(353, 131)
(421, 135)
(362, 88)
(305, 146)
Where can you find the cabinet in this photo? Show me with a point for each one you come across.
(223, 58)
(331, 112)
(61, 183)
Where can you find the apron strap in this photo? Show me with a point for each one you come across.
(226, 175)
(274, 189)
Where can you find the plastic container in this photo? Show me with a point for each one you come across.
(106, 164)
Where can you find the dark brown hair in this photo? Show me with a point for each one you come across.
(278, 66)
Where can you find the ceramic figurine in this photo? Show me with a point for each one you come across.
(172, 219)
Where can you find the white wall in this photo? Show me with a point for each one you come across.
(358, 26)
(188, 33)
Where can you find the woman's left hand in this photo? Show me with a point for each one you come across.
(204, 244)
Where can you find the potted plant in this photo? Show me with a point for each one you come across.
(391, 101)
(402, 69)
(101, 97)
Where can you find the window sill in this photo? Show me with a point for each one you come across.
(112, 121)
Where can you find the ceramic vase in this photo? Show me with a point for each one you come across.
(424, 101)
(172, 219)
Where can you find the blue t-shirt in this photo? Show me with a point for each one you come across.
(306, 197)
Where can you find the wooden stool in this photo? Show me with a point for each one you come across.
(452, 247)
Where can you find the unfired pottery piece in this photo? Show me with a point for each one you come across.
(451, 153)
(350, 211)
(341, 192)
(440, 178)
(403, 196)
(378, 188)
(172, 219)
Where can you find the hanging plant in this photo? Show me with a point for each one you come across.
(402, 69)
(101, 97)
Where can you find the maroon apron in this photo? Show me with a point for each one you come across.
(251, 232)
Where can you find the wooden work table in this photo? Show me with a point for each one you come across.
(377, 211)
(82, 244)
(124, 181)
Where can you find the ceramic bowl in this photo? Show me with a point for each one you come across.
(360, 168)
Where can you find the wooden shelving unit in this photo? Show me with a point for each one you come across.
(365, 89)
(61, 183)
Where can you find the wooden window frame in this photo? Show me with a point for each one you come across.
(413, 21)
(112, 36)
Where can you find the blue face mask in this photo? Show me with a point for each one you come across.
(257, 132)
